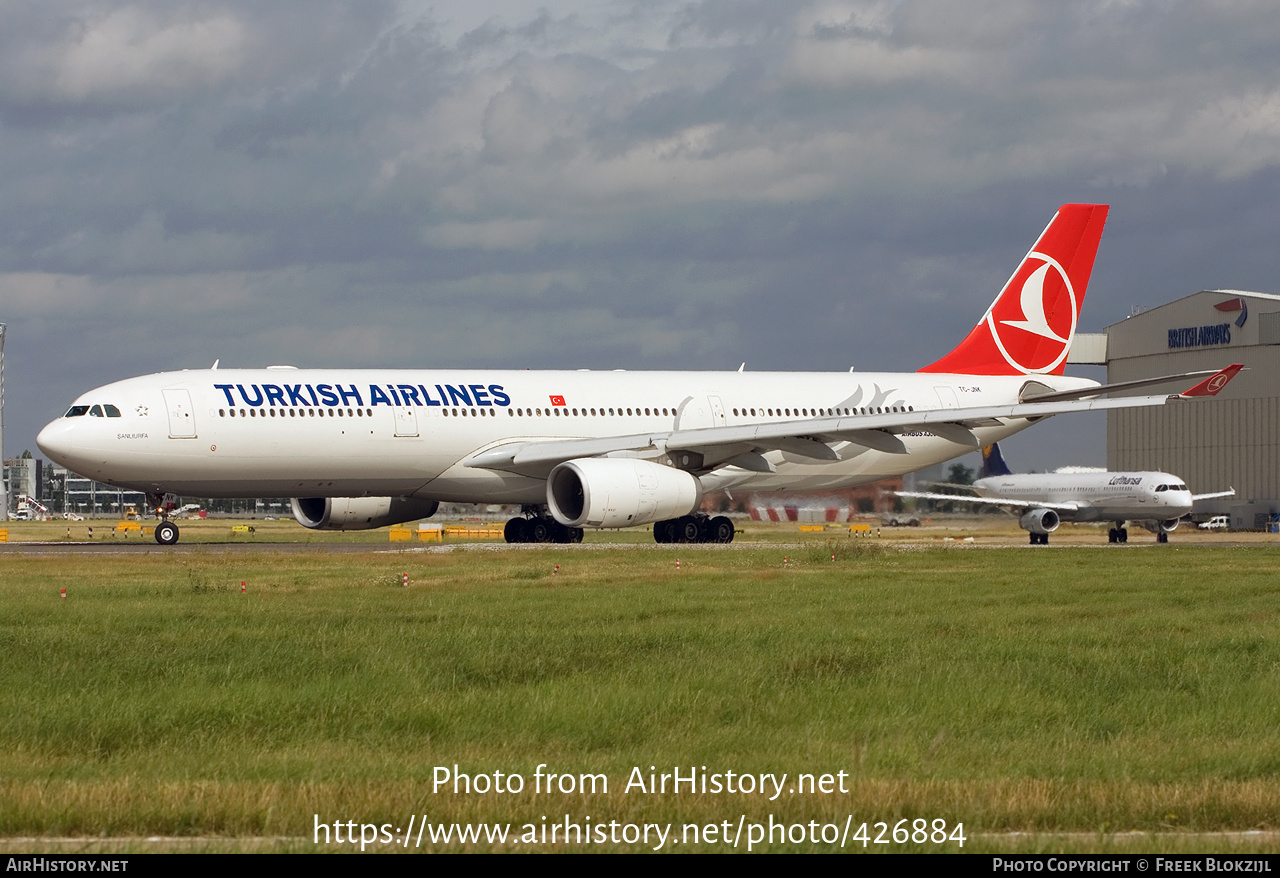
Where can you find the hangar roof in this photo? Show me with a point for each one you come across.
(1209, 319)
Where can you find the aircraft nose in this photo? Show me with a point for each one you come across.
(57, 441)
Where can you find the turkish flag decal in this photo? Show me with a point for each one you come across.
(557, 400)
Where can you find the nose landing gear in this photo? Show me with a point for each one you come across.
(166, 533)
(166, 530)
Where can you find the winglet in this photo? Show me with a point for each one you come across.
(1214, 383)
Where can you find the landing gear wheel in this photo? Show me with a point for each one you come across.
(166, 533)
(516, 531)
(1111, 536)
(1122, 534)
(539, 531)
(720, 530)
(1162, 537)
(687, 529)
(575, 535)
(664, 531)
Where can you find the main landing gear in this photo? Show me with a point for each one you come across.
(694, 529)
(1120, 534)
(540, 529)
(1039, 539)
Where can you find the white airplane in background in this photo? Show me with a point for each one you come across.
(366, 448)
(1156, 500)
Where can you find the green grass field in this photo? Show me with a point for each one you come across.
(1075, 695)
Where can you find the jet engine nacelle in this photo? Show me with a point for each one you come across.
(619, 492)
(1168, 525)
(1039, 521)
(359, 513)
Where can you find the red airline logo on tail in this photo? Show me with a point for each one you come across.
(1029, 327)
(1047, 305)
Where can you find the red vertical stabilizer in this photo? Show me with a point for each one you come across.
(1029, 327)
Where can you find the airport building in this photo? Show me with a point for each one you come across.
(38, 489)
(1229, 441)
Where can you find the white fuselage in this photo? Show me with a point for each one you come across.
(349, 433)
(1096, 496)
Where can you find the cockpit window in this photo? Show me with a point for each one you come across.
(77, 411)
(1181, 488)
(96, 412)
(1160, 488)
(112, 411)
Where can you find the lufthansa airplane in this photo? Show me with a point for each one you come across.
(1155, 500)
(366, 448)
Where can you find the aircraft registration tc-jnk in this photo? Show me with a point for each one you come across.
(366, 448)
(1155, 500)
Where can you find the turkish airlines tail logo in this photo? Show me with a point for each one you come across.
(1029, 327)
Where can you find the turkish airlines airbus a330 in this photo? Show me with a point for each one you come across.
(372, 447)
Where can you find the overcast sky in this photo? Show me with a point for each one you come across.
(608, 184)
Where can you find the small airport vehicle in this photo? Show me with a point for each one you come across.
(1218, 522)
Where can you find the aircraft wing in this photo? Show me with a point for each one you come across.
(1080, 393)
(990, 501)
(709, 448)
(1230, 492)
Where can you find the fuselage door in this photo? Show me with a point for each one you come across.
(947, 396)
(406, 421)
(182, 418)
(717, 411)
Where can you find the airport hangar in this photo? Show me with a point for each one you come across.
(1227, 441)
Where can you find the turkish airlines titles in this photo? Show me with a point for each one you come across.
(332, 395)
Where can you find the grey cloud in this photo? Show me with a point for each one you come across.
(805, 185)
